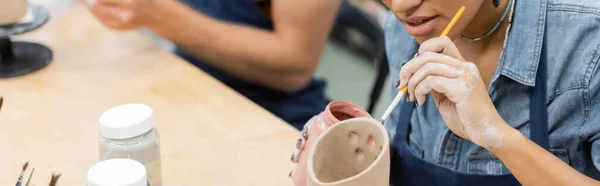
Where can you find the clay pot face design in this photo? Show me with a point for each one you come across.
(351, 152)
(12, 11)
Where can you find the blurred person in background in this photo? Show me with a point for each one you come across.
(266, 50)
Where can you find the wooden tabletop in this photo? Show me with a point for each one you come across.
(210, 134)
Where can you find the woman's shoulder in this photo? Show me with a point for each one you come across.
(572, 39)
(580, 6)
(579, 11)
(576, 12)
(572, 32)
(569, 12)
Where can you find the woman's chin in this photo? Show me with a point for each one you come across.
(421, 39)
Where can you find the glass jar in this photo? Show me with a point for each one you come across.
(120, 171)
(127, 131)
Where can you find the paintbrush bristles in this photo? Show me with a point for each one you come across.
(20, 179)
(26, 163)
(54, 179)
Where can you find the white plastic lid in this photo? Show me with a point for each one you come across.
(126, 121)
(117, 172)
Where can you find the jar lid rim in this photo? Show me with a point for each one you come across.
(118, 171)
(126, 121)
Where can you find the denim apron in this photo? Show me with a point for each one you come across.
(295, 108)
(409, 170)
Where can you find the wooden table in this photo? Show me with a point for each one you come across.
(210, 134)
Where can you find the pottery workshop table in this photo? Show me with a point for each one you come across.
(210, 135)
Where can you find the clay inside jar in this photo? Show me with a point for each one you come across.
(340, 115)
(343, 112)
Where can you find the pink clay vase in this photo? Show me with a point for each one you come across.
(335, 112)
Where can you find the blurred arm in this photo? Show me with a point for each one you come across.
(283, 59)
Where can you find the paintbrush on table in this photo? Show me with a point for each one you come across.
(30, 176)
(402, 91)
(20, 180)
(54, 179)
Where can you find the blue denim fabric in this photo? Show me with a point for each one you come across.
(570, 30)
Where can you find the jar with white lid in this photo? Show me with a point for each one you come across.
(120, 171)
(127, 131)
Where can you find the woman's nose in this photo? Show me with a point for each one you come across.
(404, 6)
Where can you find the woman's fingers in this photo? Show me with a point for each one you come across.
(105, 12)
(126, 4)
(431, 69)
(113, 17)
(90, 3)
(456, 90)
(429, 57)
(443, 45)
(436, 83)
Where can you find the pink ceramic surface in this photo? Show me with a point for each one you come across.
(335, 112)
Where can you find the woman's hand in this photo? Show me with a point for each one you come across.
(123, 14)
(458, 90)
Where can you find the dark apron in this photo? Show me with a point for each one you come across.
(409, 170)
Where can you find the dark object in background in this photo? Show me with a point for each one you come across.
(496, 3)
(350, 24)
(265, 7)
(370, 43)
(22, 58)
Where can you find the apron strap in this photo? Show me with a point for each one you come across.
(406, 109)
(539, 110)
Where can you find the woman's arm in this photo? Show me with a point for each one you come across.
(283, 59)
(467, 109)
(533, 165)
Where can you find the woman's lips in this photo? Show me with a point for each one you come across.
(422, 26)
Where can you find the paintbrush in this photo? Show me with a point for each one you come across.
(20, 180)
(402, 91)
(54, 179)
(30, 176)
